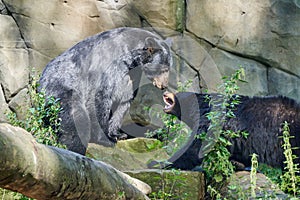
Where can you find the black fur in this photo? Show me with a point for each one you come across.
(95, 80)
(261, 117)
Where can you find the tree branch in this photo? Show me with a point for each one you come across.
(45, 172)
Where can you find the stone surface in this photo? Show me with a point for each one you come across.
(255, 73)
(194, 56)
(280, 82)
(264, 187)
(267, 31)
(13, 58)
(178, 184)
(3, 106)
(64, 23)
(182, 73)
(10, 33)
(20, 103)
(132, 154)
(3, 10)
(14, 70)
(162, 14)
(139, 145)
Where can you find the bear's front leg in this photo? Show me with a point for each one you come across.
(115, 122)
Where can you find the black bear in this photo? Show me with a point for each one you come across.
(261, 117)
(95, 81)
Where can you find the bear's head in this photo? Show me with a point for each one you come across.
(154, 57)
(158, 62)
(184, 105)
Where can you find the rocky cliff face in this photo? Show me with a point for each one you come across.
(210, 39)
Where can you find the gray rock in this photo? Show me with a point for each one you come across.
(14, 70)
(256, 73)
(13, 57)
(10, 33)
(64, 23)
(159, 13)
(282, 83)
(3, 10)
(263, 30)
(183, 72)
(3, 106)
(178, 184)
(264, 189)
(131, 154)
(196, 54)
(20, 103)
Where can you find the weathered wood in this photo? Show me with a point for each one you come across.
(44, 172)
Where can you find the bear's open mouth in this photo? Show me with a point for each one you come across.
(168, 98)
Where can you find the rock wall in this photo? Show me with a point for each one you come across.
(210, 39)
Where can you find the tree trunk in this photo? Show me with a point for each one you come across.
(44, 172)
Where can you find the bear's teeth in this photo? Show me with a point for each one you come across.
(168, 106)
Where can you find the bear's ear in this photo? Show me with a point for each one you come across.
(152, 44)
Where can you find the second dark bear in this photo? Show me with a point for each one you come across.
(95, 81)
(261, 117)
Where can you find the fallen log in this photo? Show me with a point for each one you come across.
(44, 172)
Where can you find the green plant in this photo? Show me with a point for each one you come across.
(7, 194)
(169, 183)
(42, 119)
(290, 181)
(213, 192)
(235, 190)
(121, 195)
(216, 161)
(253, 177)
